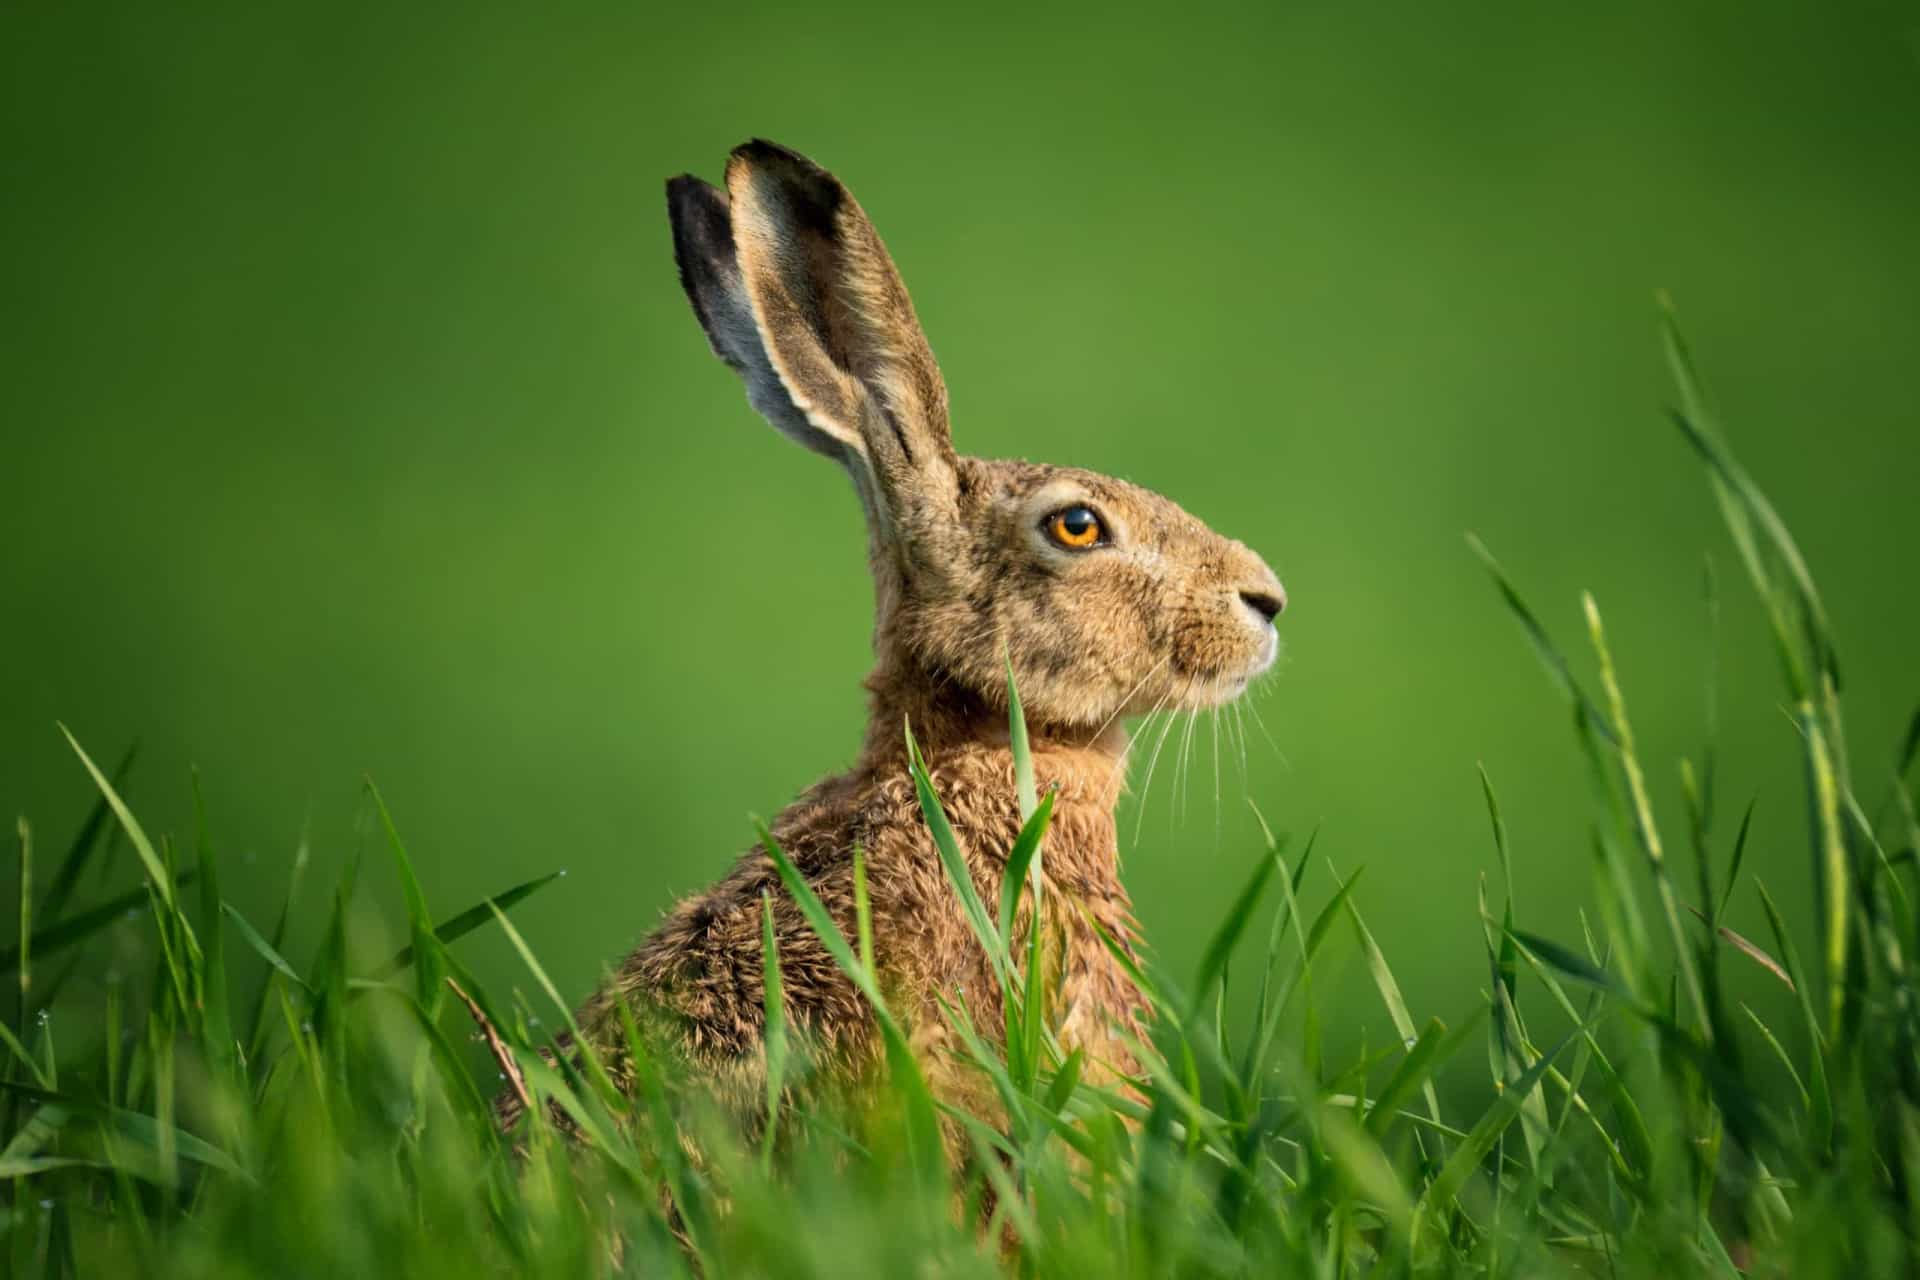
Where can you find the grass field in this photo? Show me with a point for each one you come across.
(222, 1108)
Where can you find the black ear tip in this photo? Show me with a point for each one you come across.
(761, 151)
(699, 213)
(810, 193)
(689, 192)
(782, 162)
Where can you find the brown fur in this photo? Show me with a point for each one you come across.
(797, 293)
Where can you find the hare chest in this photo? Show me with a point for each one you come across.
(933, 958)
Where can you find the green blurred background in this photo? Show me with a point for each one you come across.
(351, 418)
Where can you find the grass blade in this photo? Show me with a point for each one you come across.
(955, 864)
(1819, 1091)
(149, 858)
(774, 1039)
(1219, 950)
(25, 950)
(427, 966)
(1478, 1142)
(923, 1123)
(1025, 849)
(86, 844)
(216, 1012)
(265, 949)
(459, 926)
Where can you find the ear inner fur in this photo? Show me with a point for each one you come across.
(710, 274)
(840, 330)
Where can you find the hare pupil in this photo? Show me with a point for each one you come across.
(1076, 527)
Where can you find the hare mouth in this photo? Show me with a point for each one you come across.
(1226, 687)
(1223, 687)
(1222, 690)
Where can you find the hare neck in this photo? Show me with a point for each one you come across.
(1086, 764)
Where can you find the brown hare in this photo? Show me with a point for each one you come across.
(1108, 601)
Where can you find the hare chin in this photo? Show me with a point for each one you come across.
(1226, 687)
(1221, 690)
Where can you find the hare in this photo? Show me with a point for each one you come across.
(1108, 601)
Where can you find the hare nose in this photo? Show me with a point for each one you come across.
(1267, 604)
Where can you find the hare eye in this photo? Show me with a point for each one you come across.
(1076, 528)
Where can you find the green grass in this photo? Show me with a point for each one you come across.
(1639, 1116)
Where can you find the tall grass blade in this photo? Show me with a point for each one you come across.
(1821, 1114)
(428, 969)
(149, 858)
(86, 844)
(954, 861)
(917, 1100)
(217, 1015)
(1023, 781)
(1445, 1188)
(1219, 949)
(459, 926)
(77, 928)
(774, 1038)
(25, 950)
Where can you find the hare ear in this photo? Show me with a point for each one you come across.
(710, 273)
(838, 329)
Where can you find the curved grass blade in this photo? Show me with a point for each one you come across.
(149, 858)
(922, 1120)
(955, 863)
(1780, 1052)
(1434, 1046)
(216, 1013)
(1752, 950)
(427, 963)
(265, 949)
(1025, 848)
(774, 1039)
(26, 916)
(86, 844)
(1389, 989)
(140, 1129)
(1818, 1089)
(1023, 783)
(1576, 966)
(459, 926)
(78, 928)
(1739, 857)
(1478, 1142)
(1213, 961)
(1543, 647)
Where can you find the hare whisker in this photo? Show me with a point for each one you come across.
(1213, 724)
(1240, 730)
(1122, 705)
(1153, 759)
(1183, 761)
(1261, 724)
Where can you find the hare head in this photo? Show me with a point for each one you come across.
(1108, 599)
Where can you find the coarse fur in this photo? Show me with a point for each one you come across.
(798, 295)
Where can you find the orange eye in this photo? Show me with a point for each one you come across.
(1076, 528)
